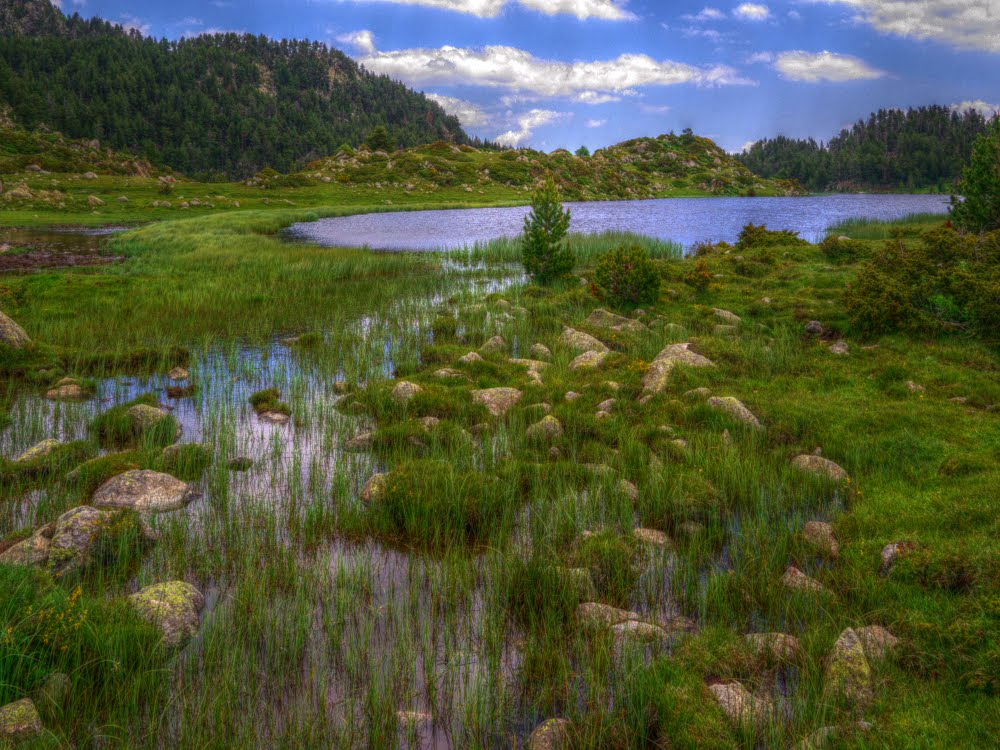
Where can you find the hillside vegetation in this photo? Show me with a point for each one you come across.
(223, 104)
(924, 148)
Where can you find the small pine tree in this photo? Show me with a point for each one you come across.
(380, 140)
(544, 252)
(583, 152)
(980, 185)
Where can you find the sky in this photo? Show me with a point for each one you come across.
(564, 73)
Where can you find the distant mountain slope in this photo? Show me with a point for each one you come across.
(639, 168)
(225, 104)
(916, 149)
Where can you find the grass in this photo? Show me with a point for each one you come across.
(873, 229)
(453, 592)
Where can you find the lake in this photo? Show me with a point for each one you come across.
(683, 220)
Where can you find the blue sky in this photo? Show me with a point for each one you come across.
(561, 73)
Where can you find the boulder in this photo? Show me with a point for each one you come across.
(796, 580)
(588, 361)
(540, 351)
(604, 319)
(470, 358)
(144, 417)
(779, 647)
(658, 374)
(68, 392)
(726, 316)
(876, 641)
(848, 673)
(548, 428)
(40, 450)
(146, 491)
(814, 328)
(498, 401)
(735, 409)
(19, 721)
(405, 391)
(595, 614)
(840, 348)
(893, 552)
(178, 373)
(652, 537)
(494, 345)
(820, 535)
(173, 607)
(552, 734)
(11, 334)
(274, 417)
(819, 466)
(374, 488)
(579, 341)
(643, 632)
(740, 705)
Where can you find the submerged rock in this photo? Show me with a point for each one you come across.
(735, 409)
(813, 464)
(579, 341)
(146, 491)
(68, 392)
(19, 721)
(658, 375)
(498, 401)
(178, 373)
(552, 734)
(11, 334)
(173, 607)
(362, 441)
(274, 417)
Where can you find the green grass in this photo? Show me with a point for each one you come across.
(874, 229)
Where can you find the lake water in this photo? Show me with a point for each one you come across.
(683, 220)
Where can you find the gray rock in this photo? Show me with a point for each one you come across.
(39, 450)
(605, 319)
(893, 552)
(796, 580)
(582, 342)
(498, 401)
(840, 348)
(173, 607)
(814, 328)
(658, 375)
(820, 535)
(19, 721)
(642, 632)
(405, 391)
(876, 641)
(741, 706)
(819, 466)
(11, 334)
(735, 409)
(588, 361)
(726, 316)
(146, 491)
(552, 734)
(571, 396)
(470, 358)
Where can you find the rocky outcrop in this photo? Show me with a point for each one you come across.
(173, 607)
(658, 374)
(498, 401)
(145, 491)
(11, 334)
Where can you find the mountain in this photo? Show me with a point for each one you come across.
(916, 149)
(212, 106)
(641, 168)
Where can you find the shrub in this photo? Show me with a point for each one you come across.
(699, 276)
(840, 250)
(380, 140)
(752, 236)
(543, 250)
(626, 276)
(980, 185)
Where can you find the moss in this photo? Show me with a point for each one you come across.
(269, 400)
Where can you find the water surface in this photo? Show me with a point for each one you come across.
(683, 220)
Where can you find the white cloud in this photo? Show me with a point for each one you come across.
(795, 15)
(814, 67)
(595, 97)
(760, 57)
(658, 109)
(610, 10)
(363, 40)
(984, 108)
(596, 123)
(752, 12)
(526, 124)
(469, 114)
(133, 23)
(969, 24)
(746, 147)
(520, 71)
(705, 14)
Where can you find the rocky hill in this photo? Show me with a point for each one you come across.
(214, 105)
(668, 165)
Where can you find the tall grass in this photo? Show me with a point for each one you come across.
(877, 229)
(586, 247)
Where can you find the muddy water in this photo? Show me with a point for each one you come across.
(47, 248)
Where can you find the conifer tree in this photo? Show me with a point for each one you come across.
(544, 251)
(980, 185)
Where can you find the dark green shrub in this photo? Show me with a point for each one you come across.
(842, 250)
(627, 276)
(980, 185)
(754, 236)
(699, 276)
(544, 253)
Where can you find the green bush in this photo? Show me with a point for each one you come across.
(842, 250)
(980, 185)
(949, 281)
(627, 276)
(755, 236)
(544, 252)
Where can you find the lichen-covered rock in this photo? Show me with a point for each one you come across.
(893, 552)
(173, 607)
(652, 537)
(144, 417)
(552, 734)
(774, 646)
(595, 614)
(146, 491)
(741, 706)
(540, 351)
(178, 373)
(639, 631)
(548, 428)
(848, 673)
(876, 641)
(579, 341)
(658, 374)
(469, 358)
(11, 334)
(498, 401)
(820, 535)
(32, 551)
(19, 721)
(813, 464)
(494, 345)
(796, 580)
(40, 450)
(735, 409)
(405, 391)
(605, 319)
(725, 315)
(374, 488)
(588, 361)
(68, 392)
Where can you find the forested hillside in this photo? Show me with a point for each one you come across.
(212, 105)
(917, 149)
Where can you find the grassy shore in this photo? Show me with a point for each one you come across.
(440, 607)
